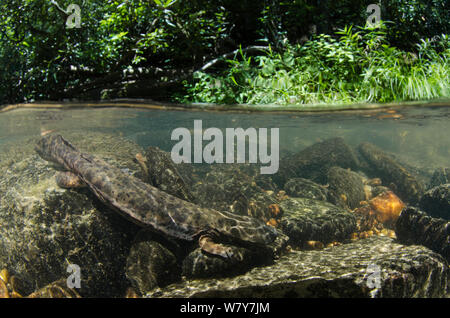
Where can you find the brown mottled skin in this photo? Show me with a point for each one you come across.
(150, 207)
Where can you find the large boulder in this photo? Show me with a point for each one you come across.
(374, 267)
(436, 201)
(346, 188)
(231, 189)
(440, 176)
(45, 228)
(314, 161)
(304, 188)
(311, 220)
(150, 264)
(416, 227)
(161, 172)
(199, 265)
(402, 181)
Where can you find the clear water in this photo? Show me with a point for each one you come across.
(417, 136)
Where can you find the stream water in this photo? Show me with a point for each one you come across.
(34, 218)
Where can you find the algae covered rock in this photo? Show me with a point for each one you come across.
(45, 228)
(416, 227)
(311, 220)
(150, 264)
(440, 176)
(199, 265)
(346, 188)
(374, 267)
(304, 188)
(314, 161)
(231, 189)
(162, 173)
(436, 201)
(402, 181)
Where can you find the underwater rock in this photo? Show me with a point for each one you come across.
(264, 181)
(416, 227)
(375, 267)
(45, 228)
(311, 220)
(150, 264)
(199, 265)
(436, 202)
(387, 207)
(377, 190)
(346, 188)
(380, 212)
(314, 161)
(440, 176)
(228, 189)
(406, 186)
(163, 174)
(304, 188)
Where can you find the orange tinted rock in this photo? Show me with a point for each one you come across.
(274, 210)
(314, 245)
(387, 207)
(272, 222)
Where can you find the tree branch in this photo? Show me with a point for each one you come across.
(230, 54)
(151, 77)
(59, 8)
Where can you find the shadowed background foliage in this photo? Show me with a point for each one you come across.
(152, 48)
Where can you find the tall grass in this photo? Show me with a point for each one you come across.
(355, 66)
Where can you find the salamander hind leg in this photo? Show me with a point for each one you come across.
(69, 180)
(208, 245)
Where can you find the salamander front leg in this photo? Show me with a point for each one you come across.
(207, 244)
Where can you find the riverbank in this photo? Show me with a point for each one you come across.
(150, 104)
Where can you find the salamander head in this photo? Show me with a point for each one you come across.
(247, 229)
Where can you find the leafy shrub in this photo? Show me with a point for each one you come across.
(359, 66)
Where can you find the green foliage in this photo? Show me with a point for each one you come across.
(359, 66)
(48, 58)
(42, 59)
(413, 20)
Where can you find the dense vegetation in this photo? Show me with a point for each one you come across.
(359, 66)
(224, 51)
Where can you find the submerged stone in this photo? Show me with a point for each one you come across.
(440, 176)
(304, 188)
(314, 161)
(231, 189)
(436, 201)
(403, 182)
(163, 174)
(346, 188)
(416, 227)
(380, 212)
(150, 264)
(374, 267)
(311, 220)
(200, 265)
